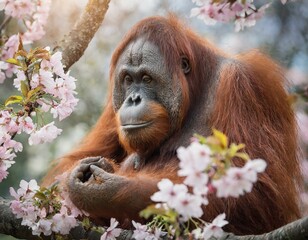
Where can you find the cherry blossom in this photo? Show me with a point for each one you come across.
(8, 51)
(7, 148)
(42, 226)
(9, 126)
(243, 13)
(19, 8)
(3, 171)
(237, 181)
(33, 213)
(251, 18)
(112, 232)
(177, 197)
(56, 64)
(35, 14)
(193, 162)
(51, 93)
(140, 232)
(62, 88)
(45, 134)
(35, 32)
(62, 222)
(168, 192)
(6, 155)
(26, 125)
(188, 205)
(213, 229)
(23, 206)
(44, 78)
(20, 76)
(3, 66)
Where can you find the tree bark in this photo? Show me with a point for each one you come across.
(75, 43)
(295, 230)
(9, 225)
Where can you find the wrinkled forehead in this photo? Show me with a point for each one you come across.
(140, 51)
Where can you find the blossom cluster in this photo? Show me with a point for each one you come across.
(57, 87)
(44, 87)
(112, 231)
(243, 13)
(143, 232)
(34, 14)
(10, 126)
(207, 169)
(42, 210)
(39, 76)
(50, 211)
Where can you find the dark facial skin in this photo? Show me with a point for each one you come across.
(144, 96)
(141, 70)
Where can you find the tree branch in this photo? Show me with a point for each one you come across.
(295, 230)
(9, 225)
(75, 43)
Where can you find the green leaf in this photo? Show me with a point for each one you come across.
(151, 210)
(86, 223)
(235, 148)
(34, 91)
(13, 99)
(40, 195)
(243, 156)
(221, 137)
(13, 61)
(24, 88)
(201, 139)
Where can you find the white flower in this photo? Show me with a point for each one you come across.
(257, 165)
(62, 222)
(194, 160)
(46, 134)
(168, 192)
(20, 8)
(26, 125)
(3, 172)
(141, 231)
(20, 76)
(3, 66)
(112, 232)
(42, 226)
(211, 230)
(55, 61)
(45, 78)
(25, 187)
(188, 205)
(237, 181)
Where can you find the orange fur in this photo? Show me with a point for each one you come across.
(242, 96)
(141, 141)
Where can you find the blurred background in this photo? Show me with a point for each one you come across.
(282, 33)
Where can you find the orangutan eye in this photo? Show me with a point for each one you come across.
(146, 79)
(128, 79)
